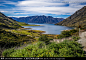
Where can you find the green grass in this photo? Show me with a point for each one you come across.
(34, 33)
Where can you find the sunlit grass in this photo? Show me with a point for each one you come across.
(34, 33)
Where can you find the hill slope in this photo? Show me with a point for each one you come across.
(38, 19)
(6, 22)
(78, 18)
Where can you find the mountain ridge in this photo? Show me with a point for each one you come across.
(6, 22)
(38, 19)
(75, 20)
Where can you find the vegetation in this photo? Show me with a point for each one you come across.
(34, 33)
(8, 39)
(9, 23)
(24, 24)
(67, 33)
(7, 52)
(43, 47)
(6, 22)
(75, 38)
(44, 38)
(40, 49)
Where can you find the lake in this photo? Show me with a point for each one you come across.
(49, 28)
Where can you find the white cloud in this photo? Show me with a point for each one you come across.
(49, 10)
(22, 13)
(57, 7)
(38, 3)
(74, 1)
(48, 6)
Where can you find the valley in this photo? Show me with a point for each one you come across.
(19, 39)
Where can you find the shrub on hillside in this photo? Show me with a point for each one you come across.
(67, 33)
(7, 52)
(63, 49)
(60, 36)
(44, 38)
(75, 38)
(8, 39)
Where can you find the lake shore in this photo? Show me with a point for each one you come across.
(49, 28)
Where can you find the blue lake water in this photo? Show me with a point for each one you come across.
(49, 28)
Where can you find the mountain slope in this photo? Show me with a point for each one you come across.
(6, 22)
(38, 19)
(78, 18)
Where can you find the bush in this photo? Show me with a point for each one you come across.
(8, 39)
(75, 38)
(41, 44)
(60, 36)
(66, 33)
(44, 38)
(7, 52)
(67, 49)
(63, 49)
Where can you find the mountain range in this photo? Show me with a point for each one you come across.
(38, 19)
(75, 20)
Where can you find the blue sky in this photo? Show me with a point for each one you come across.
(55, 8)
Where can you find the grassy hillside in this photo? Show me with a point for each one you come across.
(78, 18)
(6, 22)
(8, 39)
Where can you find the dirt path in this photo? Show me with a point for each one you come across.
(82, 41)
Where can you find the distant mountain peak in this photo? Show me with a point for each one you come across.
(38, 19)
